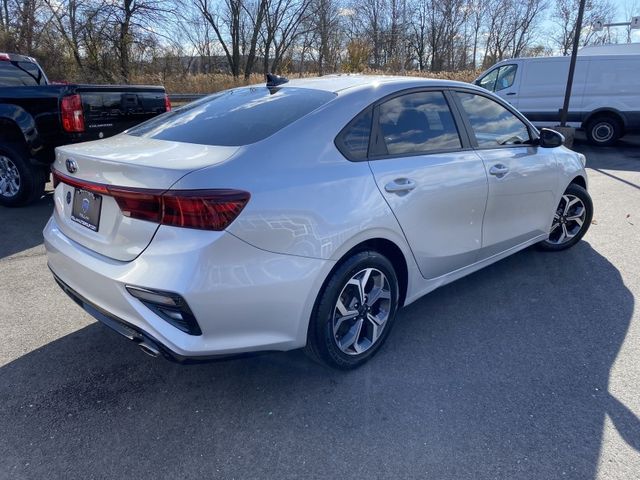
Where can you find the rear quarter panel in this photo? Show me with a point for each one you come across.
(306, 198)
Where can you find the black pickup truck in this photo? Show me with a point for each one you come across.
(36, 116)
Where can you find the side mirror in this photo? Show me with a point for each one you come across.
(550, 138)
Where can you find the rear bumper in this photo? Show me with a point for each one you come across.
(129, 331)
(244, 299)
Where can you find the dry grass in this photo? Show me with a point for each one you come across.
(203, 83)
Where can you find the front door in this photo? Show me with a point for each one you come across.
(523, 178)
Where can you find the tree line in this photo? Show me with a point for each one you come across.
(114, 40)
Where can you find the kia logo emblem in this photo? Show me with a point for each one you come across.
(72, 166)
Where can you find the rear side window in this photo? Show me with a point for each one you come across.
(20, 74)
(417, 123)
(234, 117)
(492, 124)
(353, 142)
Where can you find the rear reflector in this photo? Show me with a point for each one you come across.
(72, 116)
(200, 209)
(171, 307)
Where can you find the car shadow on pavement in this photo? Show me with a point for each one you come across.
(624, 155)
(22, 227)
(503, 374)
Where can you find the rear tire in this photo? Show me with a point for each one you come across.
(354, 312)
(604, 130)
(20, 182)
(571, 220)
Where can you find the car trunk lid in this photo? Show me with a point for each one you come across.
(89, 173)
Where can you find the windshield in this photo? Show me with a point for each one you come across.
(234, 117)
(20, 74)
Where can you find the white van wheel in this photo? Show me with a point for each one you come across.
(604, 130)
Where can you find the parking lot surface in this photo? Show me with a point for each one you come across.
(527, 369)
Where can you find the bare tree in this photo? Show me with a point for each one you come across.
(564, 15)
(227, 28)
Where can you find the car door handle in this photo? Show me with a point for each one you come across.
(510, 93)
(400, 185)
(499, 170)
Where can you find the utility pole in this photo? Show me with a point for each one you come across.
(572, 65)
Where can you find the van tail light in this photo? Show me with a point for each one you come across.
(199, 209)
(167, 103)
(72, 115)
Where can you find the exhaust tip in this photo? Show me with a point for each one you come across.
(149, 349)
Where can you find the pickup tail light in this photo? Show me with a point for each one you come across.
(167, 103)
(72, 115)
(5, 57)
(200, 209)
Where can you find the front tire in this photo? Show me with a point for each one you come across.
(354, 312)
(571, 219)
(20, 182)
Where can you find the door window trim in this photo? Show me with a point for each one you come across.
(498, 77)
(533, 132)
(376, 134)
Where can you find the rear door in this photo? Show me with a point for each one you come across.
(522, 177)
(434, 183)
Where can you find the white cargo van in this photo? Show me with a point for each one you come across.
(605, 98)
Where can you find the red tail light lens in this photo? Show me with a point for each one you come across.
(200, 209)
(140, 204)
(203, 209)
(167, 103)
(72, 116)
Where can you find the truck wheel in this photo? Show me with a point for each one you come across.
(604, 130)
(20, 182)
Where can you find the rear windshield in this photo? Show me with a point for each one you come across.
(20, 74)
(234, 117)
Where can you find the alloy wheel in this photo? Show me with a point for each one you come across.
(9, 177)
(568, 220)
(361, 311)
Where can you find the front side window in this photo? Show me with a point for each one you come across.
(489, 80)
(20, 74)
(506, 76)
(234, 117)
(417, 123)
(499, 78)
(492, 124)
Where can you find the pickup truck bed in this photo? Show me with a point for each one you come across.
(36, 117)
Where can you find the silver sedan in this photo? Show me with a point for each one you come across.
(304, 213)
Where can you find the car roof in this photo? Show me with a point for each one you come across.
(340, 82)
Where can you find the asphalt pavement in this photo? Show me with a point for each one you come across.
(527, 369)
